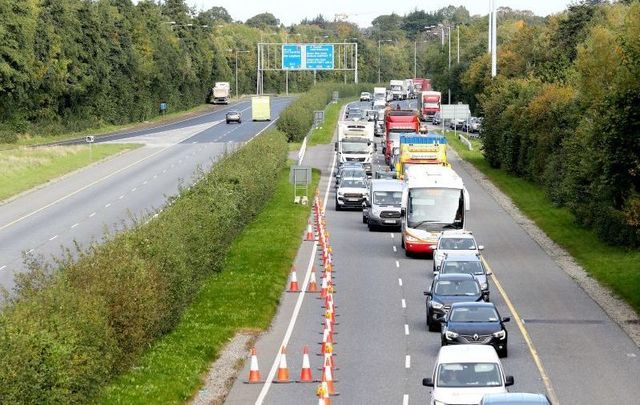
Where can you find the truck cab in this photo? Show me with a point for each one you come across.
(382, 206)
(355, 143)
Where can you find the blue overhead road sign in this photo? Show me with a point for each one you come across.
(292, 56)
(319, 56)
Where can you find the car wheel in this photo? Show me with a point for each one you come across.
(504, 352)
(239, 121)
(407, 253)
(227, 121)
(338, 207)
(432, 325)
(365, 220)
(402, 242)
(443, 341)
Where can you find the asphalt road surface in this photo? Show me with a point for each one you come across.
(564, 344)
(109, 194)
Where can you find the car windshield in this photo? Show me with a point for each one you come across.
(466, 267)
(468, 375)
(457, 244)
(473, 314)
(353, 183)
(353, 173)
(435, 209)
(457, 287)
(387, 197)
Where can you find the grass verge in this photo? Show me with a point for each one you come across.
(242, 296)
(615, 267)
(24, 168)
(324, 134)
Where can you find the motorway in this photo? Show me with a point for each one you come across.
(560, 341)
(106, 196)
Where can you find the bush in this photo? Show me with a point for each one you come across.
(296, 120)
(64, 335)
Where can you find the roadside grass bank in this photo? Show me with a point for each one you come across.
(24, 168)
(324, 134)
(74, 324)
(243, 296)
(615, 267)
(34, 139)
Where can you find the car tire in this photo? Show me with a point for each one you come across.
(227, 121)
(504, 352)
(338, 207)
(239, 121)
(431, 325)
(365, 220)
(407, 253)
(402, 242)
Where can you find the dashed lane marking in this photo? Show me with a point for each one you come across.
(74, 225)
(133, 189)
(400, 282)
(406, 329)
(407, 361)
(3, 267)
(121, 197)
(525, 334)
(92, 215)
(53, 237)
(107, 205)
(397, 264)
(405, 399)
(404, 303)
(394, 249)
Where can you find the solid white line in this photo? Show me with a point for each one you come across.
(53, 237)
(74, 225)
(400, 282)
(407, 361)
(107, 205)
(404, 303)
(92, 215)
(392, 236)
(394, 249)
(406, 329)
(397, 264)
(3, 267)
(405, 399)
(296, 309)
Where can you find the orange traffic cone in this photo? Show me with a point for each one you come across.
(254, 371)
(324, 287)
(283, 370)
(313, 284)
(323, 394)
(327, 342)
(306, 373)
(310, 235)
(293, 286)
(327, 376)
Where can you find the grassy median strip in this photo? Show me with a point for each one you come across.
(243, 296)
(24, 168)
(613, 266)
(324, 134)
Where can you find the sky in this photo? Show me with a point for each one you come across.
(362, 12)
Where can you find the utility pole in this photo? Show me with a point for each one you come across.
(489, 27)
(415, 58)
(449, 40)
(458, 51)
(493, 39)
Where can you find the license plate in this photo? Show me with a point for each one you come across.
(352, 199)
(389, 221)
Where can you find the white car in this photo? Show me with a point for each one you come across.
(453, 241)
(365, 96)
(464, 374)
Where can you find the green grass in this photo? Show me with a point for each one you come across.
(24, 168)
(244, 296)
(102, 130)
(324, 133)
(615, 267)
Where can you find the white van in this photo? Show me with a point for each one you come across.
(464, 373)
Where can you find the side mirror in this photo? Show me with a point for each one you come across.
(508, 381)
(428, 382)
(489, 273)
(480, 247)
(427, 293)
(506, 319)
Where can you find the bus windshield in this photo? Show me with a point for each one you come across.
(435, 209)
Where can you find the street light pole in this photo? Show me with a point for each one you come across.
(415, 58)
(449, 40)
(380, 41)
(458, 50)
(237, 51)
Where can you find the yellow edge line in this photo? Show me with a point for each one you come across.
(525, 334)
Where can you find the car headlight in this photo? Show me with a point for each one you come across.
(410, 238)
(450, 335)
(436, 305)
(484, 286)
(500, 334)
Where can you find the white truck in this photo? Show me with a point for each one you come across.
(398, 89)
(220, 93)
(355, 143)
(408, 85)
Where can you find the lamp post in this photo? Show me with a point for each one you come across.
(237, 51)
(380, 41)
(415, 51)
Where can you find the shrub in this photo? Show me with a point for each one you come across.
(64, 335)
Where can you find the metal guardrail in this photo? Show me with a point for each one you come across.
(465, 141)
(302, 150)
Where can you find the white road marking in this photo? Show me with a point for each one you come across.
(121, 197)
(164, 171)
(133, 189)
(392, 236)
(155, 176)
(299, 301)
(404, 303)
(397, 264)
(406, 329)
(3, 267)
(107, 205)
(145, 182)
(92, 215)
(53, 237)
(394, 249)
(74, 225)
(400, 282)
(405, 399)
(194, 142)
(30, 251)
(407, 361)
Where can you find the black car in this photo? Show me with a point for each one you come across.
(447, 289)
(234, 116)
(475, 323)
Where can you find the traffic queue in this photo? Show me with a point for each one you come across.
(417, 192)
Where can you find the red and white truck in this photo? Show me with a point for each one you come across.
(420, 85)
(429, 104)
(398, 122)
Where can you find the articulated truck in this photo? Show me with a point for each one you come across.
(355, 143)
(220, 92)
(429, 104)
